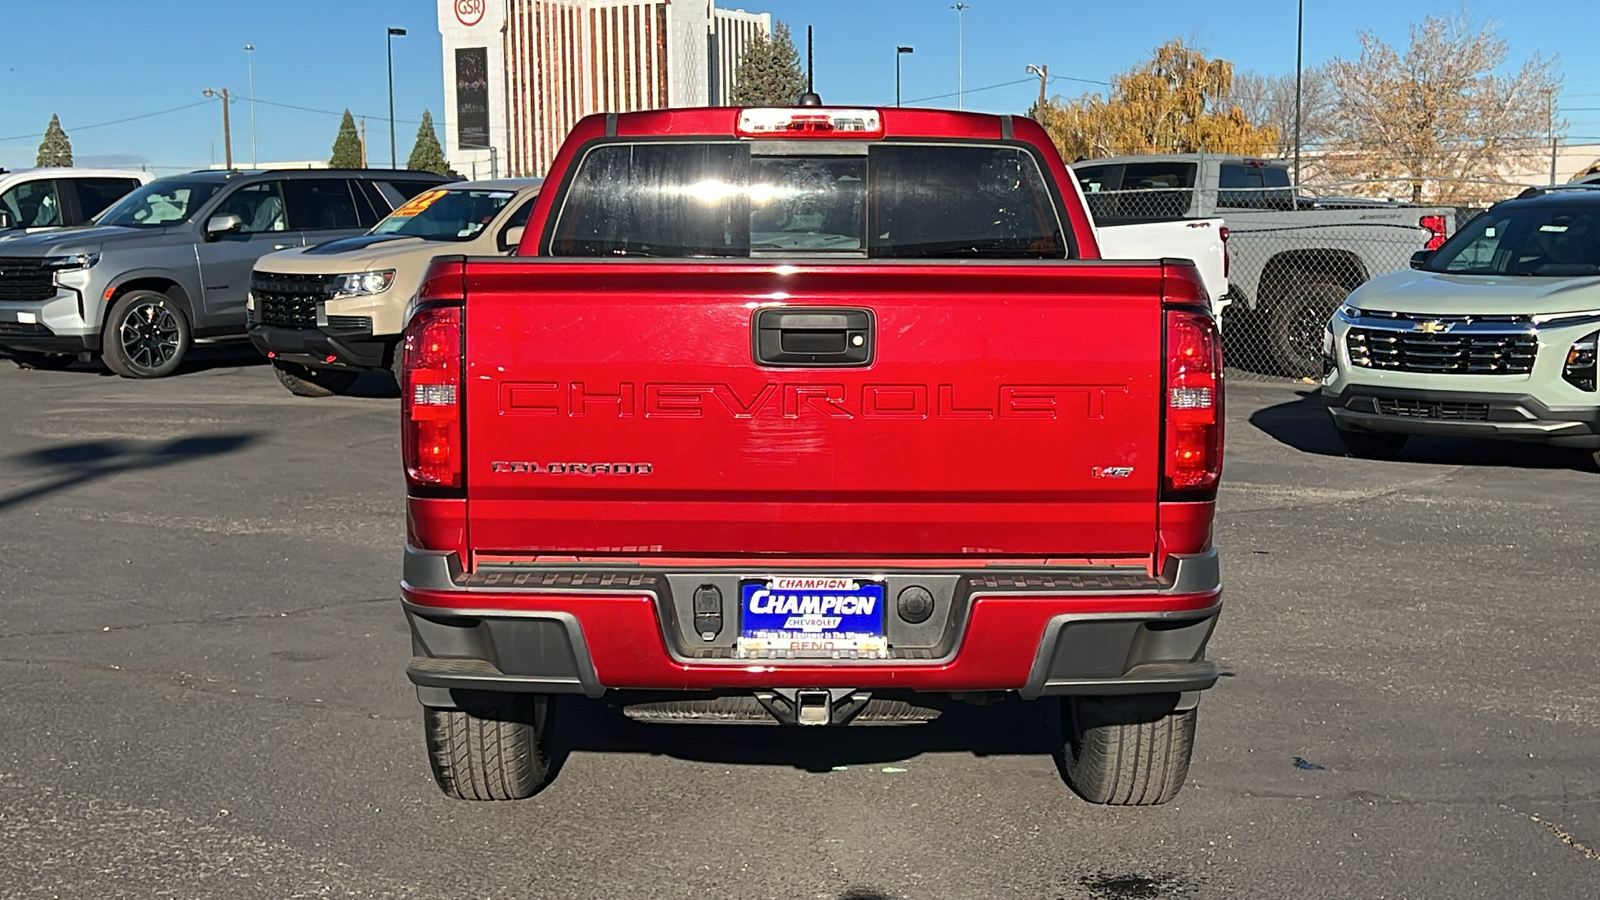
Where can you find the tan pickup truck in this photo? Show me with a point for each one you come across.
(324, 314)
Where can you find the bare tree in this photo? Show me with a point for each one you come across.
(1269, 100)
(1439, 117)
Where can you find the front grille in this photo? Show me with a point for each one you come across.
(24, 279)
(1448, 410)
(288, 300)
(1461, 353)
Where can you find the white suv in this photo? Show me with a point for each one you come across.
(1492, 335)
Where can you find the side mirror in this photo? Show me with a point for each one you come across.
(227, 223)
(5, 219)
(1420, 258)
(511, 238)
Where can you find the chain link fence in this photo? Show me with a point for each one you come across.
(1293, 259)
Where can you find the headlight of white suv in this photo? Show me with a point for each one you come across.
(362, 284)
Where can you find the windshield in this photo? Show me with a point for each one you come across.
(159, 203)
(907, 201)
(1532, 239)
(440, 215)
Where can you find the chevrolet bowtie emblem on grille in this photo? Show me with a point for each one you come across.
(1434, 327)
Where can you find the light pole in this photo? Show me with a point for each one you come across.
(898, 52)
(1299, 61)
(227, 130)
(961, 95)
(1043, 72)
(250, 61)
(392, 32)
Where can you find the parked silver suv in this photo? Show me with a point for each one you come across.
(170, 263)
(1492, 335)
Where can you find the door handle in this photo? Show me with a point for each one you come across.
(814, 337)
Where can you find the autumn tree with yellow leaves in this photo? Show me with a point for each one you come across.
(1178, 102)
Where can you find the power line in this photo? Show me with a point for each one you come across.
(329, 112)
(1009, 84)
(24, 137)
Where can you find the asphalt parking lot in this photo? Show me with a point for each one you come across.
(202, 655)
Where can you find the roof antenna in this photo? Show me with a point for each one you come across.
(809, 98)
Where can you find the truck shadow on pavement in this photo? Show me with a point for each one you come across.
(73, 465)
(1304, 424)
(1011, 727)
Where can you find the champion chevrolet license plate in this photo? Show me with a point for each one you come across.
(813, 616)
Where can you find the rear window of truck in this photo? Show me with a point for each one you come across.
(892, 201)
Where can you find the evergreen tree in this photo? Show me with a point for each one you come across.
(347, 146)
(426, 154)
(769, 73)
(55, 149)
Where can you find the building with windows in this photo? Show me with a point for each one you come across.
(519, 74)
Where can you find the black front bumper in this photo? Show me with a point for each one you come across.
(35, 338)
(349, 348)
(1463, 414)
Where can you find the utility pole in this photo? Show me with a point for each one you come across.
(1299, 64)
(363, 142)
(250, 61)
(1044, 77)
(1550, 109)
(227, 130)
(898, 52)
(961, 87)
(392, 33)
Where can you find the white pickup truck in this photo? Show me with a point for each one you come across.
(1204, 241)
(1294, 258)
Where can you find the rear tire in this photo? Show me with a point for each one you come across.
(1296, 324)
(45, 362)
(307, 381)
(146, 335)
(494, 749)
(1372, 444)
(397, 367)
(1127, 751)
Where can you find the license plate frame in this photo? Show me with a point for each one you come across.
(788, 616)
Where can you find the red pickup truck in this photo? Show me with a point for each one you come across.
(814, 416)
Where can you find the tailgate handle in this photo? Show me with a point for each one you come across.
(827, 337)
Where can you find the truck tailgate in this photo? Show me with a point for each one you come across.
(616, 408)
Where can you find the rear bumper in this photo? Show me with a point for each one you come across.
(1514, 416)
(562, 631)
(351, 349)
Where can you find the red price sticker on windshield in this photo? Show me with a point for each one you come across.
(417, 204)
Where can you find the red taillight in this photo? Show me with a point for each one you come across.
(1193, 395)
(1227, 259)
(1436, 226)
(430, 397)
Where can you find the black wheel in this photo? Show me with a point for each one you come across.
(1127, 751)
(50, 362)
(309, 381)
(1296, 324)
(1372, 444)
(146, 335)
(397, 366)
(494, 749)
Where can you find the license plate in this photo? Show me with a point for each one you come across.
(814, 616)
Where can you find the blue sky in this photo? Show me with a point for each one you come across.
(98, 61)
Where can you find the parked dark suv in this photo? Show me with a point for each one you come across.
(170, 263)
